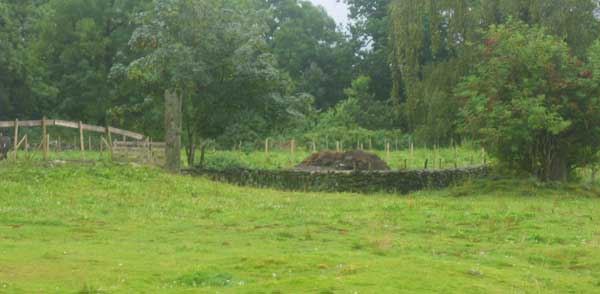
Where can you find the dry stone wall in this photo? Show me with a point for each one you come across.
(341, 181)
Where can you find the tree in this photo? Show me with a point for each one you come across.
(212, 59)
(308, 46)
(431, 49)
(78, 42)
(166, 39)
(364, 109)
(370, 36)
(23, 89)
(531, 103)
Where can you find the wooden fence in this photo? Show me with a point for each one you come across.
(143, 148)
(67, 124)
(140, 151)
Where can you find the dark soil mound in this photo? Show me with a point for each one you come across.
(351, 160)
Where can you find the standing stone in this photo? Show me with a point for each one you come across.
(173, 122)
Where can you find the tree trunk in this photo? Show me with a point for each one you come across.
(190, 147)
(173, 112)
(557, 170)
(202, 154)
(191, 154)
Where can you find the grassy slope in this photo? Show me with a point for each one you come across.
(72, 229)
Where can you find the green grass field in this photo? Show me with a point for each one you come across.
(401, 159)
(280, 159)
(123, 229)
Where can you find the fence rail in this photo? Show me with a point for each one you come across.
(72, 125)
(139, 151)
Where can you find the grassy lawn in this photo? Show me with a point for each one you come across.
(120, 229)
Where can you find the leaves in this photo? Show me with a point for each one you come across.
(521, 101)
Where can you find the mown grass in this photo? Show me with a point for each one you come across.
(123, 229)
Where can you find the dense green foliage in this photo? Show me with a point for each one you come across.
(370, 36)
(103, 228)
(433, 48)
(534, 105)
(311, 49)
(247, 70)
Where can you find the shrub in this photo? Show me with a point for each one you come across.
(531, 103)
(223, 162)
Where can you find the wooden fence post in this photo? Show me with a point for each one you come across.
(109, 138)
(267, 146)
(387, 152)
(455, 156)
(101, 146)
(81, 143)
(148, 152)
(483, 157)
(314, 147)
(16, 141)
(293, 148)
(151, 150)
(434, 155)
(412, 153)
(45, 138)
(337, 146)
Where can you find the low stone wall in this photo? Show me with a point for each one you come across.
(362, 182)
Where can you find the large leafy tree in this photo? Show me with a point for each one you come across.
(431, 41)
(311, 49)
(210, 55)
(370, 36)
(531, 103)
(23, 90)
(78, 43)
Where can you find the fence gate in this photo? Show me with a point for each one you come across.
(139, 151)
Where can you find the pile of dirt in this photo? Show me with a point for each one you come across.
(344, 161)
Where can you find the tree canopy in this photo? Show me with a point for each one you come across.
(433, 48)
(532, 104)
(246, 70)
